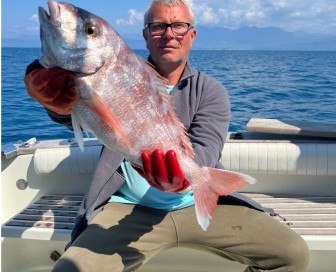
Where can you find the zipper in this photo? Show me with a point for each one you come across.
(288, 223)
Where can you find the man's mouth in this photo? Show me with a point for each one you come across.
(167, 47)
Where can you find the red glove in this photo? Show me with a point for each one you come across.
(163, 172)
(54, 88)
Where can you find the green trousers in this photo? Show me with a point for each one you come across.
(123, 237)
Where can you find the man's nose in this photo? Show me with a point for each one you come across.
(169, 33)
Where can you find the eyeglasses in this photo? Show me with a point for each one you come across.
(178, 29)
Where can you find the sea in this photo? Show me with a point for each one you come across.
(288, 85)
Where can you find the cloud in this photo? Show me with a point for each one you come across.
(33, 26)
(34, 18)
(291, 15)
(134, 17)
(204, 14)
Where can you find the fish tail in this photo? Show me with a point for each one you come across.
(216, 182)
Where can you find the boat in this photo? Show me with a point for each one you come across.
(43, 183)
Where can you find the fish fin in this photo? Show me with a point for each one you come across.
(162, 79)
(98, 106)
(166, 98)
(86, 130)
(151, 67)
(217, 182)
(77, 131)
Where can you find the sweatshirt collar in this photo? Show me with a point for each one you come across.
(187, 72)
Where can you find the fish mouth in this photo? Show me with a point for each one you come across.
(53, 17)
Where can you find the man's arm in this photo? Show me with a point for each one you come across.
(210, 123)
(64, 120)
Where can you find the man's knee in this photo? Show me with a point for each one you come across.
(65, 265)
(296, 255)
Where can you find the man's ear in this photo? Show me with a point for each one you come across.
(193, 34)
(145, 34)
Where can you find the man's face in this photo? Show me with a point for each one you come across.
(169, 48)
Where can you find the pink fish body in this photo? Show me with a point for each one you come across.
(122, 100)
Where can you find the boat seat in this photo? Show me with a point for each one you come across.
(63, 161)
(52, 217)
(247, 156)
(280, 157)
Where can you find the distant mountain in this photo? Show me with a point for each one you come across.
(254, 38)
(245, 38)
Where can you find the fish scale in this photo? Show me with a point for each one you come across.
(123, 101)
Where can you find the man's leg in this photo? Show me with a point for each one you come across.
(120, 238)
(123, 237)
(245, 235)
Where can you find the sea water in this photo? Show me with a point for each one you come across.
(289, 85)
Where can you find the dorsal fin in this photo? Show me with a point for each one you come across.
(161, 83)
(151, 67)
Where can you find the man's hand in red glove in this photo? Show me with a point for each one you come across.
(163, 171)
(53, 88)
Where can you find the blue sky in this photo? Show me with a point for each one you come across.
(19, 17)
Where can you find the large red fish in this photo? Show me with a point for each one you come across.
(122, 100)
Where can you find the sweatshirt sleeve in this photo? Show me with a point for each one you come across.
(210, 122)
(64, 120)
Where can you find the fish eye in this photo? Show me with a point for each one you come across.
(91, 30)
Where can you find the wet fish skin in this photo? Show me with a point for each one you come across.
(123, 101)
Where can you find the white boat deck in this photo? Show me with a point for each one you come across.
(53, 216)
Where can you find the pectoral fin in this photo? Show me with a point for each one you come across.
(98, 106)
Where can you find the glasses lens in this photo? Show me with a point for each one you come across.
(180, 28)
(157, 28)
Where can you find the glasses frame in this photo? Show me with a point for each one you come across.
(190, 26)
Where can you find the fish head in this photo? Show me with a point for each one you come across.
(74, 39)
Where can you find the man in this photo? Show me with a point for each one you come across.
(122, 224)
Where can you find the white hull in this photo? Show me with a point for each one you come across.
(282, 165)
